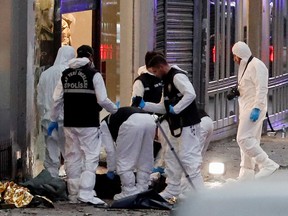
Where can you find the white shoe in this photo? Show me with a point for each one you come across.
(126, 192)
(244, 175)
(166, 195)
(73, 199)
(267, 170)
(93, 200)
(62, 172)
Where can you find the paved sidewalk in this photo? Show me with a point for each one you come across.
(226, 151)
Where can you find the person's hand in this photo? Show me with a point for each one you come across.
(255, 114)
(117, 104)
(138, 102)
(171, 109)
(158, 169)
(110, 175)
(142, 104)
(51, 127)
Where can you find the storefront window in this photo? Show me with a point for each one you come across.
(77, 28)
(110, 47)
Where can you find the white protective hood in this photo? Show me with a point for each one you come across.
(142, 70)
(78, 62)
(50, 78)
(242, 50)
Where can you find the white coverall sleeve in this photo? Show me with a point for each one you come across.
(101, 94)
(183, 84)
(138, 89)
(40, 97)
(57, 106)
(155, 107)
(261, 83)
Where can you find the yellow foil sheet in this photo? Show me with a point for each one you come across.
(15, 194)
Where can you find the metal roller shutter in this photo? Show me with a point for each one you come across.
(177, 40)
(161, 26)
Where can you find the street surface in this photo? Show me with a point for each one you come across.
(226, 151)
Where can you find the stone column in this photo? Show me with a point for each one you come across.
(255, 9)
(137, 36)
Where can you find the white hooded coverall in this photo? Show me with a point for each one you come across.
(133, 150)
(253, 88)
(206, 132)
(187, 146)
(138, 90)
(45, 89)
(83, 145)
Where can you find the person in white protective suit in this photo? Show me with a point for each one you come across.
(149, 87)
(182, 115)
(132, 130)
(82, 92)
(54, 144)
(253, 89)
(206, 130)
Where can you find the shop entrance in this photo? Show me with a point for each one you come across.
(79, 23)
(95, 23)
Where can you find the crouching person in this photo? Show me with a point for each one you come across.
(128, 139)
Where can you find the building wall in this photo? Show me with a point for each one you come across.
(5, 59)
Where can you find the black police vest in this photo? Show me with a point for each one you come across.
(152, 87)
(80, 103)
(114, 121)
(189, 116)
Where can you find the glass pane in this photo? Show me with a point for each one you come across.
(110, 47)
(77, 29)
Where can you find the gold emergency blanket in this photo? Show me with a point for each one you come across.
(12, 193)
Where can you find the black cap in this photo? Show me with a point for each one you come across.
(84, 51)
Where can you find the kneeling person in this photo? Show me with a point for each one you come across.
(132, 130)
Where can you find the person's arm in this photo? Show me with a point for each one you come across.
(260, 79)
(155, 107)
(138, 89)
(101, 94)
(57, 106)
(185, 87)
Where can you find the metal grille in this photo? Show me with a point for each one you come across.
(174, 35)
(5, 159)
(220, 68)
(278, 70)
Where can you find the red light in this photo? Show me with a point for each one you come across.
(214, 54)
(106, 51)
(271, 53)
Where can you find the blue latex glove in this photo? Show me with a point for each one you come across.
(255, 114)
(110, 175)
(142, 104)
(51, 127)
(158, 169)
(171, 109)
(117, 104)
